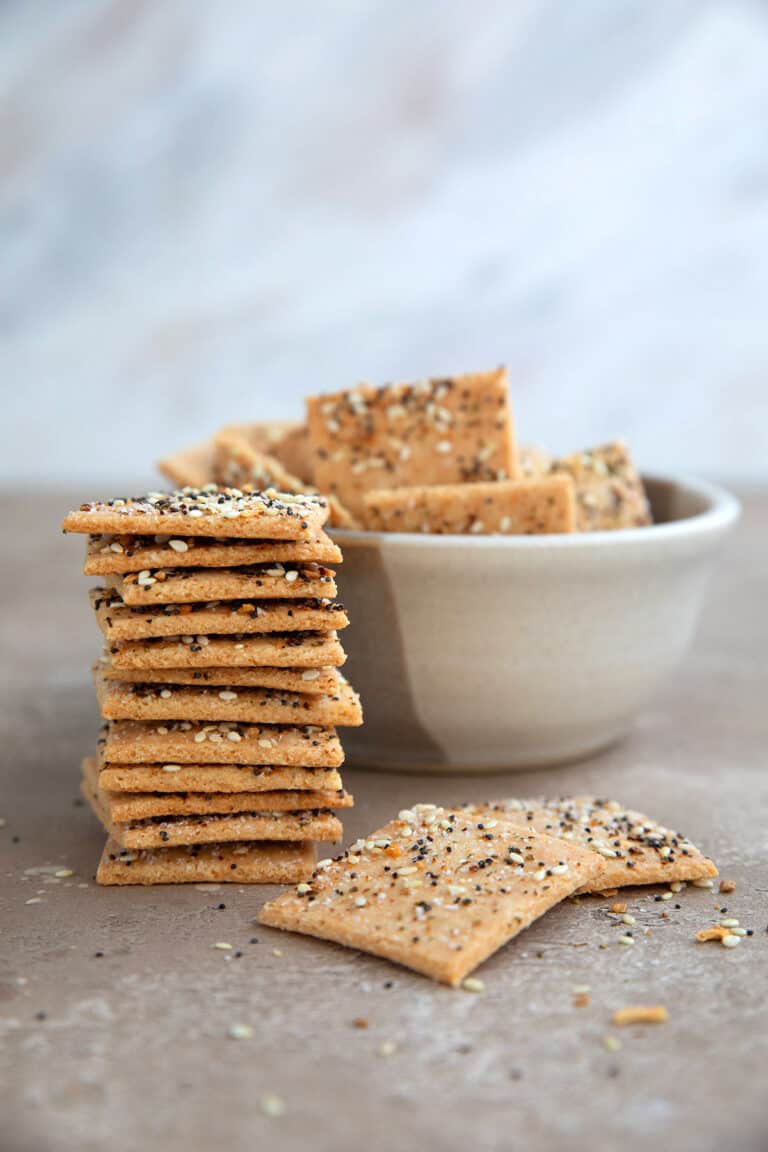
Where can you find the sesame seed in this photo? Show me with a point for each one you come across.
(473, 984)
(731, 940)
(730, 923)
(178, 545)
(703, 883)
(387, 1048)
(240, 1032)
(222, 946)
(272, 1105)
(360, 902)
(627, 940)
(62, 873)
(628, 918)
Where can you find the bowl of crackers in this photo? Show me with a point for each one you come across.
(509, 608)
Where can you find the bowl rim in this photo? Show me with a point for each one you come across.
(722, 510)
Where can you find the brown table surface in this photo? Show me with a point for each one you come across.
(115, 1007)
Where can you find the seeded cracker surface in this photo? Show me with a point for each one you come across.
(432, 432)
(252, 705)
(119, 622)
(113, 553)
(122, 808)
(636, 849)
(291, 650)
(514, 507)
(212, 778)
(187, 742)
(315, 681)
(609, 490)
(208, 511)
(252, 582)
(256, 863)
(436, 890)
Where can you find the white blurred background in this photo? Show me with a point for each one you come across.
(208, 210)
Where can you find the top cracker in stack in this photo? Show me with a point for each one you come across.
(219, 684)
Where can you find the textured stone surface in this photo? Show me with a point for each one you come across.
(134, 1048)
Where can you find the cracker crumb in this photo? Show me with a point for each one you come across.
(727, 886)
(581, 1000)
(360, 1022)
(715, 932)
(640, 1014)
(619, 907)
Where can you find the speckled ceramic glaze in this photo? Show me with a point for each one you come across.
(489, 653)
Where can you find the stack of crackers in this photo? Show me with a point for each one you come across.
(436, 456)
(219, 685)
(441, 889)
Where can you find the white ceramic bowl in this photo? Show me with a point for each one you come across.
(495, 652)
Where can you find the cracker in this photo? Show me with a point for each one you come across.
(447, 431)
(290, 650)
(635, 848)
(436, 890)
(215, 778)
(119, 622)
(534, 461)
(253, 582)
(239, 463)
(106, 553)
(118, 701)
(158, 831)
(208, 511)
(609, 491)
(311, 681)
(123, 807)
(250, 863)
(510, 507)
(294, 450)
(186, 742)
(191, 468)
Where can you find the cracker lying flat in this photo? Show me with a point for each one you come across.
(123, 807)
(609, 491)
(215, 778)
(312, 681)
(208, 511)
(108, 553)
(436, 890)
(434, 432)
(636, 849)
(119, 701)
(192, 468)
(289, 650)
(511, 507)
(254, 863)
(120, 622)
(241, 464)
(186, 742)
(252, 582)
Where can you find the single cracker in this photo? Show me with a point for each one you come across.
(239, 463)
(511, 508)
(311, 681)
(294, 450)
(186, 742)
(192, 468)
(253, 582)
(119, 622)
(447, 431)
(124, 807)
(436, 890)
(107, 553)
(118, 701)
(215, 778)
(289, 650)
(250, 863)
(609, 491)
(208, 511)
(534, 461)
(635, 848)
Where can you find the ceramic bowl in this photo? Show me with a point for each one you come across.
(487, 653)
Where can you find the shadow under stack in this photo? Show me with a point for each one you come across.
(219, 684)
